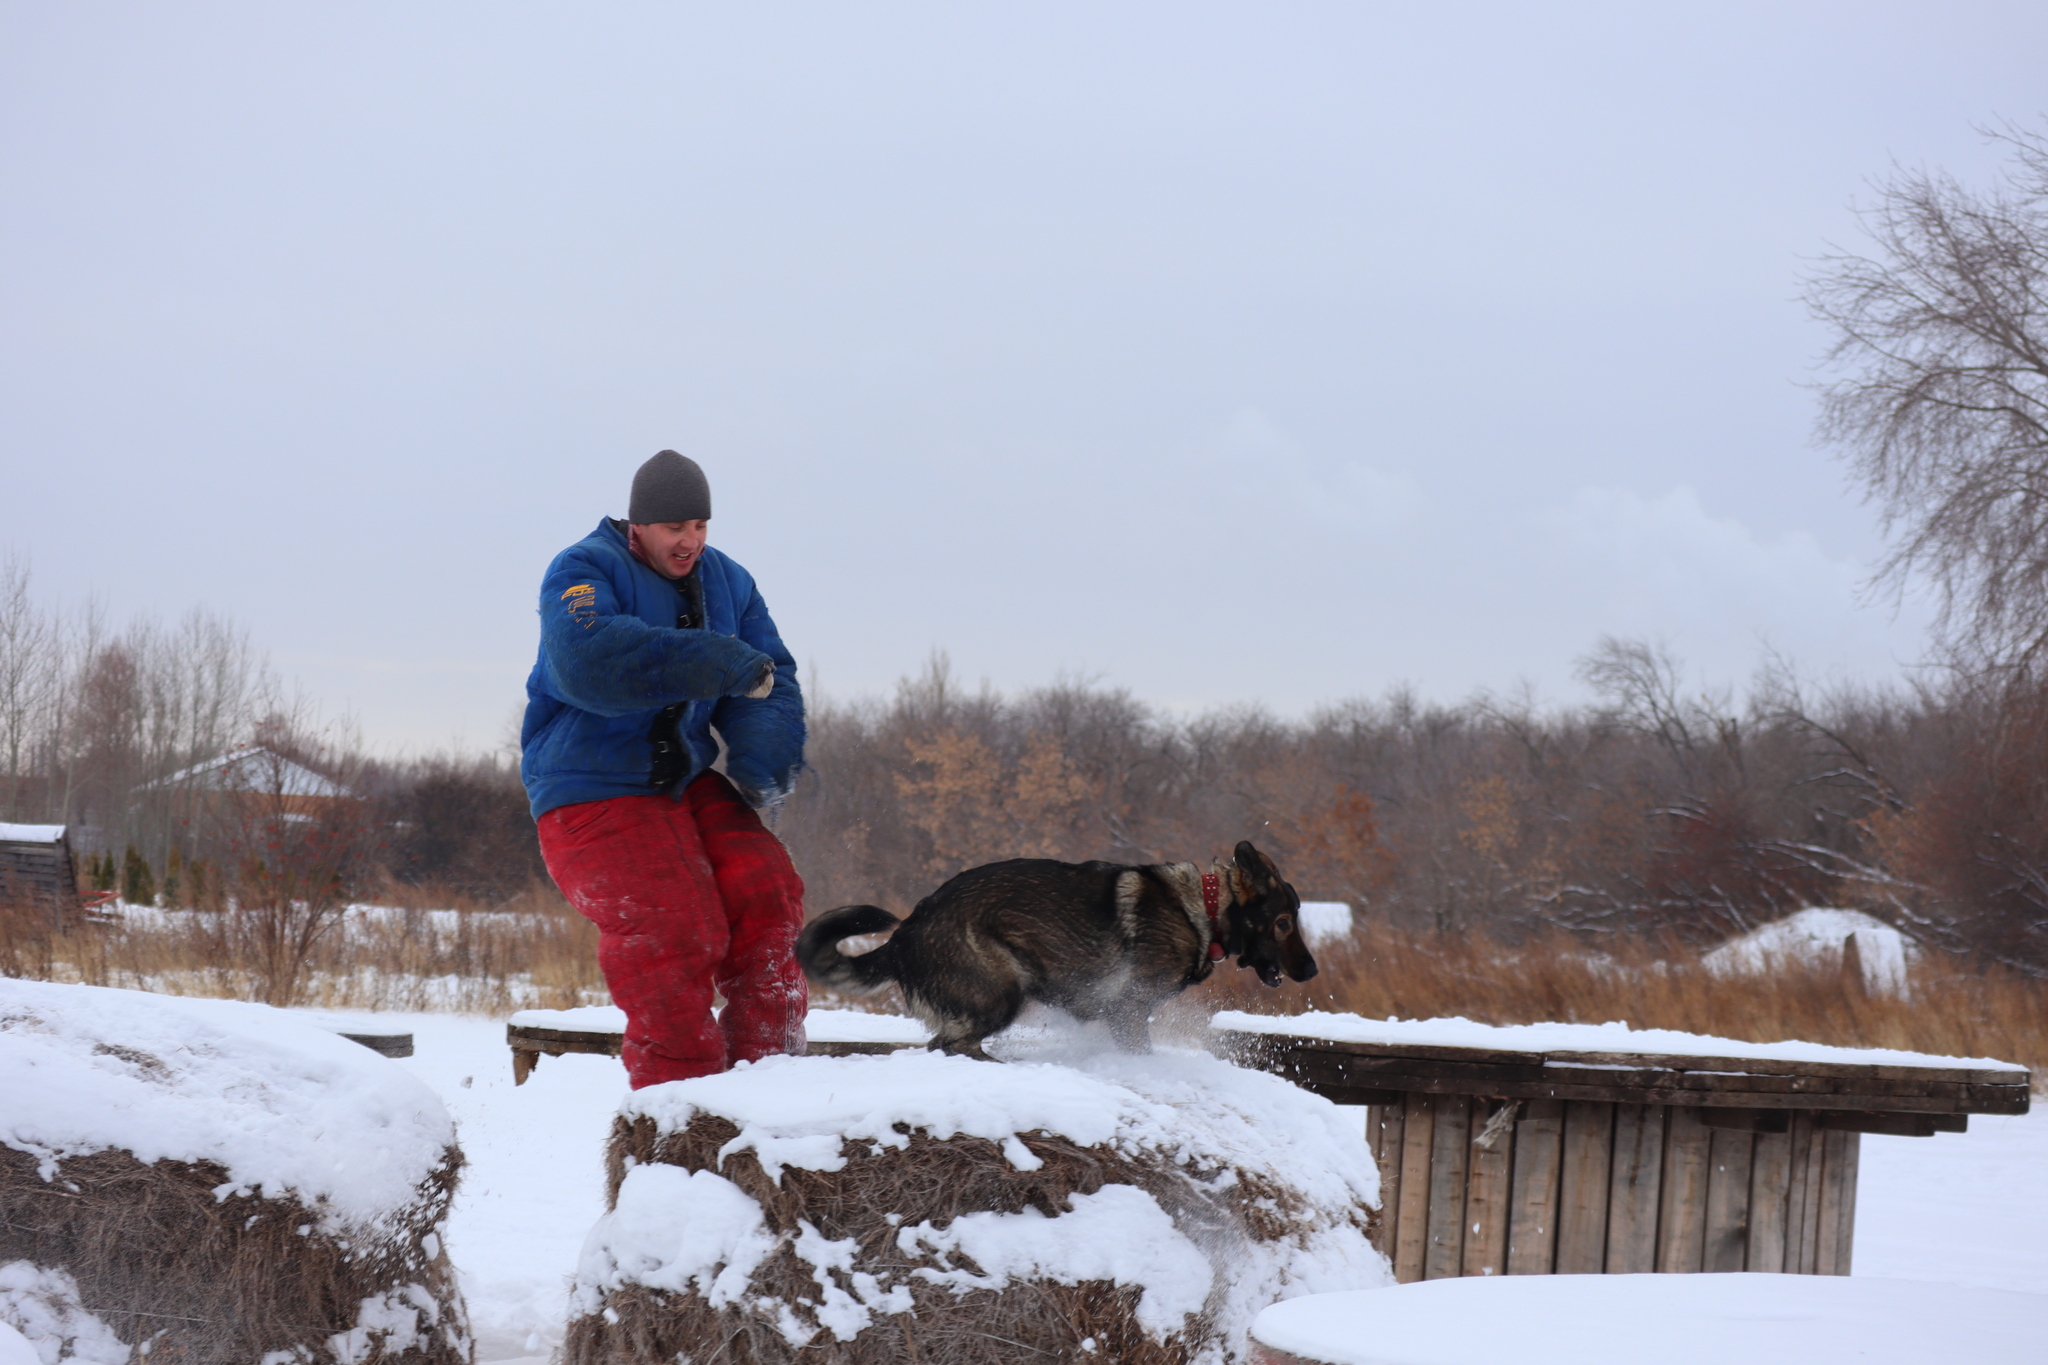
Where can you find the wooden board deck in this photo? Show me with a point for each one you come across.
(1364, 1072)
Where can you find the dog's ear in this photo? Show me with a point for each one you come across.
(1256, 865)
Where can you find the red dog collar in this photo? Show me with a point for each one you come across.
(1212, 901)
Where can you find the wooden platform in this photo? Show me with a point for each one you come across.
(531, 1042)
(1503, 1161)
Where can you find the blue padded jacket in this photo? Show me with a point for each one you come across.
(612, 660)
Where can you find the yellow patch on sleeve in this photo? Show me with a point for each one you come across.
(580, 590)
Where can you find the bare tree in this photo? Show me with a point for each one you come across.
(31, 669)
(1941, 337)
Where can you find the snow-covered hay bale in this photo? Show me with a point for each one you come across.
(203, 1181)
(935, 1209)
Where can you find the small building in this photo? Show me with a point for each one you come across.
(37, 875)
(256, 772)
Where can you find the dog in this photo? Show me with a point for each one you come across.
(1099, 940)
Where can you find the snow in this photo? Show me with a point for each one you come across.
(15, 1348)
(1118, 1234)
(1817, 934)
(1960, 1208)
(1609, 1037)
(283, 1106)
(820, 1026)
(1673, 1319)
(39, 1309)
(30, 834)
(1967, 1208)
(1325, 922)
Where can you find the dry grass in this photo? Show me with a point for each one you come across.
(417, 950)
(1950, 1008)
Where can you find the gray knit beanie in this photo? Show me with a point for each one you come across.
(669, 487)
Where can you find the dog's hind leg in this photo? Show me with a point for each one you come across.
(1130, 1025)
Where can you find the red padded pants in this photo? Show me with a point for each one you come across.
(689, 896)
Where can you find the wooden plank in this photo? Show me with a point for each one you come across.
(1650, 1078)
(1328, 1078)
(1632, 1197)
(1896, 1125)
(1582, 1203)
(1354, 1070)
(1251, 1042)
(1770, 1181)
(1449, 1158)
(1840, 1155)
(555, 1042)
(1533, 1206)
(1771, 1066)
(1388, 1153)
(1682, 1203)
(1729, 1155)
(1748, 1120)
(1802, 1204)
(1716, 1064)
(1418, 1128)
(1317, 1063)
(1487, 1186)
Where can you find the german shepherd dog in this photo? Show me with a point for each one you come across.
(1099, 940)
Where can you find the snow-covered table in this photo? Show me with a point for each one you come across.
(1672, 1319)
(1573, 1148)
(533, 1034)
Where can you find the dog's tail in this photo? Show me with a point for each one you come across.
(817, 949)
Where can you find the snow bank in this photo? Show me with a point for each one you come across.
(1610, 1037)
(285, 1107)
(1296, 1168)
(1673, 1319)
(39, 1308)
(1325, 922)
(30, 834)
(1818, 935)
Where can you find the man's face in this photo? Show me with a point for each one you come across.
(670, 548)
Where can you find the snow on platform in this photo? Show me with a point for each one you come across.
(820, 1026)
(1671, 1319)
(1610, 1037)
(85, 1069)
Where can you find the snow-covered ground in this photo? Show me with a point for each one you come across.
(1965, 1209)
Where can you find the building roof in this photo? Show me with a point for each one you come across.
(254, 769)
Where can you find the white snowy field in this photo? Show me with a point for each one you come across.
(1965, 1209)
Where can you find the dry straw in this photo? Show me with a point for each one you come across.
(191, 1278)
(928, 1180)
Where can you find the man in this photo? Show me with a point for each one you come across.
(650, 640)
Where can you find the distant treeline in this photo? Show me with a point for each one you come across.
(1655, 812)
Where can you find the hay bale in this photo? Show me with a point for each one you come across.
(201, 1181)
(940, 1210)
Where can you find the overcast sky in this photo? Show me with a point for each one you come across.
(1226, 352)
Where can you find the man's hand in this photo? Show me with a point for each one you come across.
(764, 684)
